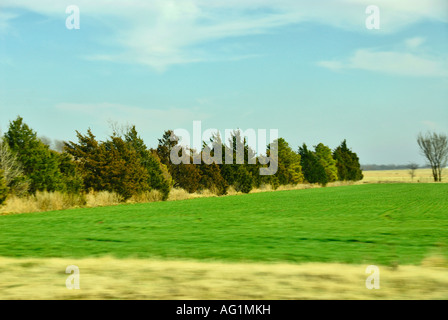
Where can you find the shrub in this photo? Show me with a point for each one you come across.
(243, 181)
(102, 199)
(148, 196)
(43, 201)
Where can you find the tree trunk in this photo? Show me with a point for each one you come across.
(434, 173)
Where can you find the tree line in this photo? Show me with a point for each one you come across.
(125, 165)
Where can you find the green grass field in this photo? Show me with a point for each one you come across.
(375, 224)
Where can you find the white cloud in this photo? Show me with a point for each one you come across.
(333, 65)
(5, 19)
(430, 124)
(415, 42)
(393, 62)
(160, 33)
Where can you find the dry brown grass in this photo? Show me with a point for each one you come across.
(147, 196)
(421, 175)
(177, 194)
(102, 199)
(110, 278)
(42, 201)
(48, 201)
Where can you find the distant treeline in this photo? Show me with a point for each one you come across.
(371, 167)
(125, 165)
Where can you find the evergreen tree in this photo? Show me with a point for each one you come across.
(187, 177)
(71, 177)
(212, 179)
(184, 175)
(289, 169)
(123, 172)
(168, 141)
(40, 165)
(90, 157)
(244, 180)
(157, 179)
(325, 157)
(113, 165)
(235, 173)
(313, 170)
(347, 163)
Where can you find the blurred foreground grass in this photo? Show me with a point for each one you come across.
(111, 278)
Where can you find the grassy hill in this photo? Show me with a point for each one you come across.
(376, 224)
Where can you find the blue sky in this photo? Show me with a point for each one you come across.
(312, 71)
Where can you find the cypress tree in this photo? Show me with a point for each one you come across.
(212, 179)
(313, 170)
(347, 163)
(243, 181)
(112, 165)
(325, 157)
(40, 165)
(289, 167)
(156, 178)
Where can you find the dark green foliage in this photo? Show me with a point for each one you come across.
(40, 165)
(166, 144)
(89, 156)
(113, 165)
(71, 177)
(313, 170)
(347, 163)
(186, 176)
(289, 169)
(123, 164)
(274, 182)
(240, 175)
(212, 179)
(3, 188)
(123, 171)
(325, 157)
(257, 179)
(243, 180)
(157, 180)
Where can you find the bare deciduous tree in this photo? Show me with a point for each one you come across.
(412, 167)
(58, 145)
(12, 169)
(45, 140)
(435, 148)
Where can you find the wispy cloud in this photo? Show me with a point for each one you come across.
(430, 124)
(405, 62)
(160, 33)
(415, 42)
(5, 19)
